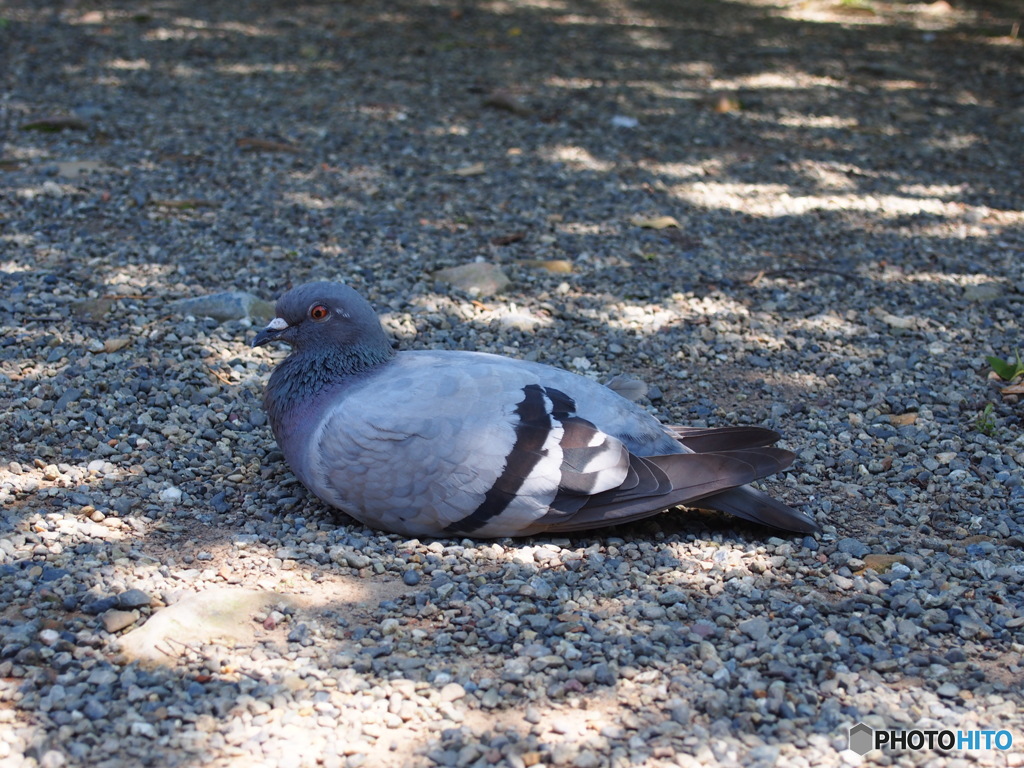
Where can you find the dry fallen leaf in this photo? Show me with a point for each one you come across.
(180, 157)
(555, 266)
(1013, 389)
(185, 204)
(264, 145)
(895, 321)
(470, 170)
(506, 101)
(113, 345)
(511, 237)
(725, 104)
(880, 563)
(902, 419)
(55, 123)
(657, 222)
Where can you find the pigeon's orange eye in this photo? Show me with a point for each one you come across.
(319, 312)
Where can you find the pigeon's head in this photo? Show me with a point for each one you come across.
(323, 316)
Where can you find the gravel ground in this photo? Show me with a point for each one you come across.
(849, 193)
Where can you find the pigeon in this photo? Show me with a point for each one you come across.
(457, 443)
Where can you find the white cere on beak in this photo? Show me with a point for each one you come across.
(277, 324)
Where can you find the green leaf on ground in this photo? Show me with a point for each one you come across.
(1004, 369)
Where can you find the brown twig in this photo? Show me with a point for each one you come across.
(221, 377)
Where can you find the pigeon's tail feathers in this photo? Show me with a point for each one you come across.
(765, 461)
(706, 440)
(751, 504)
(665, 481)
(708, 480)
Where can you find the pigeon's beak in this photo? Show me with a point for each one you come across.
(274, 331)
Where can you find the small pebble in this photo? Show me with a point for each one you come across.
(115, 621)
(133, 598)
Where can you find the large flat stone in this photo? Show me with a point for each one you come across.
(222, 614)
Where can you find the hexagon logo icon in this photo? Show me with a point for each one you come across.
(861, 738)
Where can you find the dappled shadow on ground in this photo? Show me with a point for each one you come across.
(527, 632)
(846, 182)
